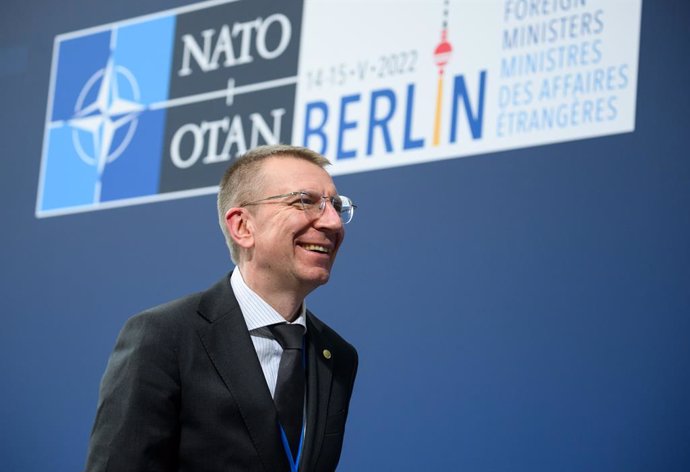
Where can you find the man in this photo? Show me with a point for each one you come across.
(199, 384)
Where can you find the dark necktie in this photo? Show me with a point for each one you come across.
(289, 394)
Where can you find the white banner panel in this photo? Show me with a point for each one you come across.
(388, 83)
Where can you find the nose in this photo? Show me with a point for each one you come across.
(329, 218)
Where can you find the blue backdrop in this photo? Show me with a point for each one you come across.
(517, 311)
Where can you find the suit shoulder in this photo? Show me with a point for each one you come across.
(172, 312)
(184, 311)
(159, 326)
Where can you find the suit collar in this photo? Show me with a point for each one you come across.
(229, 346)
(218, 301)
(319, 377)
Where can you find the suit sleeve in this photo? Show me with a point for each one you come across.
(136, 427)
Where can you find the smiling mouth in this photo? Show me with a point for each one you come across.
(316, 248)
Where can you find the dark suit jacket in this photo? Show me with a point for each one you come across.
(184, 391)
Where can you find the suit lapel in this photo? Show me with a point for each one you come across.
(319, 376)
(232, 352)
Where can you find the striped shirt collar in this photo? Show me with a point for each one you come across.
(257, 313)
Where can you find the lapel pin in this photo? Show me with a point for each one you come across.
(326, 353)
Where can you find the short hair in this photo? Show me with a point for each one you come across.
(243, 179)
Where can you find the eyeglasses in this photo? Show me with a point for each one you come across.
(313, 203)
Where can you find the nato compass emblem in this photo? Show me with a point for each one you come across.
(104, 130)
(105, 118)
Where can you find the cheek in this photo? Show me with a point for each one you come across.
(341, 239)
(277, 240)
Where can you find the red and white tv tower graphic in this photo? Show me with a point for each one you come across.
(442, 55)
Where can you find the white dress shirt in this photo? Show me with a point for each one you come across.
(259, 315)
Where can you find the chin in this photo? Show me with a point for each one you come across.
(316, 279)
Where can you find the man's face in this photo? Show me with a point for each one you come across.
(294, 250)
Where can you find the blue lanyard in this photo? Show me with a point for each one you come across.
(294, 462)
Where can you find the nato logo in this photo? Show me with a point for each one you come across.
(104, 134)
(156, 107)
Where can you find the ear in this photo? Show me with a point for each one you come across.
(240, 227)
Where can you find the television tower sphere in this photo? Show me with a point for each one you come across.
(442, 53)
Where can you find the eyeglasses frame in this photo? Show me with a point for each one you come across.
(322, 204)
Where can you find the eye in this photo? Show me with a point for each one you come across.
(337, 204)
(309, 199)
